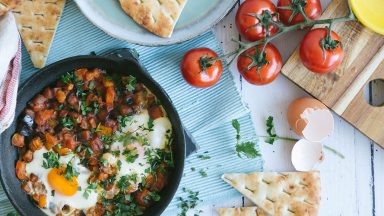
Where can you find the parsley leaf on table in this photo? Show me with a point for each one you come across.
(247, 149)
(270, 131)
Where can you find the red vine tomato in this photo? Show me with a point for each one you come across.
(200, 69)
(260, 71)
(251, 19)
(312, 8)
(320, 53)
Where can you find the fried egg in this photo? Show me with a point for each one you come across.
(157, 138)
(62, 192)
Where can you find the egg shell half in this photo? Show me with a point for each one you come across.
(310, 119)
(306, 155)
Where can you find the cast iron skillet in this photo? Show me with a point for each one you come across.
(123, 61)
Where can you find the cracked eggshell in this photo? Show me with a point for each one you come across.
(306, 155)
(310, 119)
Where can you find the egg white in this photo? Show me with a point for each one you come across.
(158, 138)
(56, 201)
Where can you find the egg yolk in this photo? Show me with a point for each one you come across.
(59, 183)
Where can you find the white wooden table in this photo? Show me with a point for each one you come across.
(350, 186)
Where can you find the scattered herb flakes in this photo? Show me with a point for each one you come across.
(204, 157)
(203, 173)
(247, 149)
(51, 160)
(190, 202)
(270, 131)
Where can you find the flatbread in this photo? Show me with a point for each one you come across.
(7, 5)
(157, 16)
(37, 22)
(244, 211)
(280, 194)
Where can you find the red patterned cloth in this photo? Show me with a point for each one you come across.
(8, 92)
(10, 54)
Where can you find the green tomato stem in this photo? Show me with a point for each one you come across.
(283, 29)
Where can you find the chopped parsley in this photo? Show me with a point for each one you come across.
(203, 173)
(67, 78)
(109, 180)
(131, 155)
(123, 204)
(149, 126)
(123, 182)
(204, 157)
(131, 83)
(70, 171)
(89, 189)
(84, 108)
(67, 122)
(51, 160)
(123, 120)
(190, 202)
(154, 196)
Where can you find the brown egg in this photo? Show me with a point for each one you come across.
(310, 119)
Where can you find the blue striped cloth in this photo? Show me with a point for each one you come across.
(206, 113)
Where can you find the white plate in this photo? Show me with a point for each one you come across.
(197, 17)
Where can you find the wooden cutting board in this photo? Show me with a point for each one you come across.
(343, 89)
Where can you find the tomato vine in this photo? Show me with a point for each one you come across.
(267, 19)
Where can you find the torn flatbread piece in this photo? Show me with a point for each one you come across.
(280, 193)
(157, 16)
(243, 211)
(7, 5)
(37, 21)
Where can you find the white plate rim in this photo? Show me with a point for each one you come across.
(185, 34)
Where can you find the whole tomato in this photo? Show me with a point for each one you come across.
(262, 72)
(198, 70)
(249, 25)
(318, 53)
(312, 9)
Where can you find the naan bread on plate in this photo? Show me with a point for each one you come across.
(157, 16)
(280, 193)
(243, 211)
(37, 21)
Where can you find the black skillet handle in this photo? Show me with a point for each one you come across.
(133, 55)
